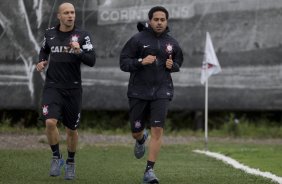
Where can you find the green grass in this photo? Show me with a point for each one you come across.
(117, 165)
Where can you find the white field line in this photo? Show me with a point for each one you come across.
(240, 166)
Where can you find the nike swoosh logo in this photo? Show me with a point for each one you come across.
(52, 38)
(145, 46)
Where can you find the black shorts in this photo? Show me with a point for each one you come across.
(63, 105)
(142, 111)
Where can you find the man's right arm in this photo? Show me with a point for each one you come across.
(129, 61)
(43, 55)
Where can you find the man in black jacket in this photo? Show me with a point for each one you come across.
(67, 47)
(150, 56)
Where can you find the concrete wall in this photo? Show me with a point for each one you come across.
(246, 35)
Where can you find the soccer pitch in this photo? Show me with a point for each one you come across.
(115, 164)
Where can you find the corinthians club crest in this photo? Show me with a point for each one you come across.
(45, 110)
(74, 38)
(169, 48)
(137, 124)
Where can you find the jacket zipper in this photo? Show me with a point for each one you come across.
(157, 64)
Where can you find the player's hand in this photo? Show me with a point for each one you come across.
(169, 62)
(76, 47)
(41, 66)
(149, 60)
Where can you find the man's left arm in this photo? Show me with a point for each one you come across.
(176, 59)
(87, 53)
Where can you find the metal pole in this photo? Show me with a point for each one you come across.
(206, 111)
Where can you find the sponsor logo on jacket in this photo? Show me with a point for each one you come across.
(61, 49)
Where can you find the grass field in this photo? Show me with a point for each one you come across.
(115, 164)
(266, 157)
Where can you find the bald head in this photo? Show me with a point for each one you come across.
(63, 6)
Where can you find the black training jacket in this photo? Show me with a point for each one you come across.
(64, 65)
(150, 82)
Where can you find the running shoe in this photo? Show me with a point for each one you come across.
(70, 171)
(56, 165)
(150, 177)
(139, 149)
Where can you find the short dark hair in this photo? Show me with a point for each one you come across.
(155, 9)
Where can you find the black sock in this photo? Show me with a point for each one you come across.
(56, 151)
(141, 141)
(150, 165)
(70, 157)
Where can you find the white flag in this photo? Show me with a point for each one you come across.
(210, 63)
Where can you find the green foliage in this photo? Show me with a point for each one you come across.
(19, 118)
(234, 124)
(104, 120)
(247, 127)
(5, 121)
(179, 120)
